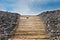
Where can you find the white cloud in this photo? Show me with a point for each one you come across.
(21, 6)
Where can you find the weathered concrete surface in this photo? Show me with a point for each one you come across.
(30, 28)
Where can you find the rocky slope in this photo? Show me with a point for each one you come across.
(8, 24)
(52, 21)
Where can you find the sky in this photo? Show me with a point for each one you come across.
(29, 7)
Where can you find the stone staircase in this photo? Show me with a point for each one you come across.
(31, 28)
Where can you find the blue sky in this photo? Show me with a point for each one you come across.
(29, 7)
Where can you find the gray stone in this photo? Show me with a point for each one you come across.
(8, 24)
(52, 21)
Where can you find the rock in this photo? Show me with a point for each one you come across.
(52, 21)
(8, 24)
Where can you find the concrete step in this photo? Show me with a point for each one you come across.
(32, 36)
(30, 39)
(31, 32)
(31, 28)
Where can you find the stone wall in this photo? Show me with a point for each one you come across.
(8, 24)
(52, 21)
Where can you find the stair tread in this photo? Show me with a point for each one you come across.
(32, 28)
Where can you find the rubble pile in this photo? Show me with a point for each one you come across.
(52, 21)
(8, 24)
